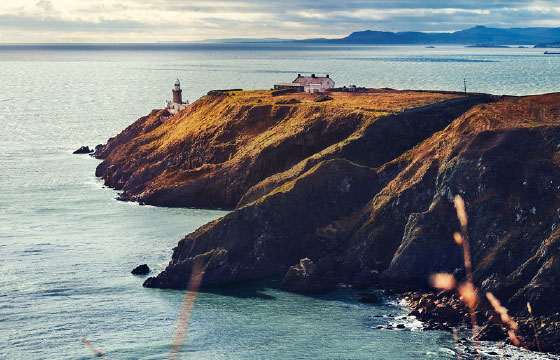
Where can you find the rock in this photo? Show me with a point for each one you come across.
(367, 297)
(309, 277)
(492, 332)
(141, 270)
(83, 150)
(323, 98)
(364, 280)
(400, 326)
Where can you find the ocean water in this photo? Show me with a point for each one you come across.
(67, 246)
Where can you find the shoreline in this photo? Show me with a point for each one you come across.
(444, 311)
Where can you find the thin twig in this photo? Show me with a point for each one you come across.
(457, 348)
(186, 309)
(95, 350)
(502, 354)
(534, 326)
(462, 215)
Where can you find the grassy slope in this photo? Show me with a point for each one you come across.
(214, 151)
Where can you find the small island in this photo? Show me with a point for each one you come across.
(489, 46)
(552, 45)
(357, 187)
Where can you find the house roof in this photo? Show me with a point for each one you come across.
(305, 80)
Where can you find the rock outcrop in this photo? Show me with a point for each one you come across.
(143, 269)
(319, 209)
(359, 190)
(83, 150)
(309, 277)
(397, 219)
(339, 192)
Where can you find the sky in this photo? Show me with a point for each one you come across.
(50, 21)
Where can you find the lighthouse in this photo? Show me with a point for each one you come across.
(177, 97)
(177, 104)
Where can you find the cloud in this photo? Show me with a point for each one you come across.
(45, 5)
(155, 20)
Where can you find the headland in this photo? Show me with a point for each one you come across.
(358, 189)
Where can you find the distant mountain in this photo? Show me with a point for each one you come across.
(548, 45)
(473, 36)
(247, 40)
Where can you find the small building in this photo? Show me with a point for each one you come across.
(177, 104)
(310, 84)
(289, 86)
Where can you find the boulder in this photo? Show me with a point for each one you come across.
(367, 297)
(309, 277)
(83, 150)
(141, 270)
(491, 331)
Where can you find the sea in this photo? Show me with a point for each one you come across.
(67, 246)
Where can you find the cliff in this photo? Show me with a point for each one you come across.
(357, 190)
(366, 217)
(212, 153)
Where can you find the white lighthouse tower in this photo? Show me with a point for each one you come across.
(177, 104)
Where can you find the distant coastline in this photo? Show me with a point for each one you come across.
(541, 36)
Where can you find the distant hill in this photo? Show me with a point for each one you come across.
(548, 45)
(473, 36)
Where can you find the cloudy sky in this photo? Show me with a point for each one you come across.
(181, 20)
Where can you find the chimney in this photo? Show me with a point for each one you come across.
(327, 76)
(312, 75)
(298, 75)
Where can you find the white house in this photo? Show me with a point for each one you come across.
(310, 84)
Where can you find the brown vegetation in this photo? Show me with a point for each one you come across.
(362, 187)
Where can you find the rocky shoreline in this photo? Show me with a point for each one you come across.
(444, 311)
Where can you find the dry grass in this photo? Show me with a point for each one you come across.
(217, 133)
(456, 339)
(197, 274)
(377, 101)
(469, 293)
(534, 326)
(505, 318)
(182, 320)
(95, 350)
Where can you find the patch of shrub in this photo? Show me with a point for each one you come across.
(222, 91)
(323, 98)
(214, 93)
(285, 102)
(282, 92)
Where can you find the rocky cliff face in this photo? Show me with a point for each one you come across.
(368, 218)
(340, 192)
(358, 190)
